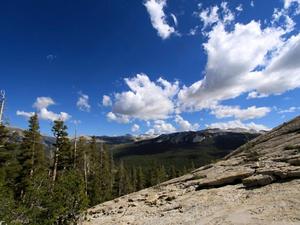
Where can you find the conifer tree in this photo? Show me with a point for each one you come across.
(9, 151)
(160, 174)
(192, 166)
(134, 179)
(183, 171)
(68, 198)
(140, 179)
(152, 177)
(4, 155)
(63, 153)
(122, 181)
(32, 157)
(94, 179)
(105, 173)
(4, 135)
(7, 202)
(82, 159)
(173, 172)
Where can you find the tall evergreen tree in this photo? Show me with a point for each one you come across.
(140, 179)
(192, 166)
(9, 171)
(32, 157)
(68, 198)
(93, 173)
(82, 162)
(134, 179)
(160, 174)
(122, 182)
(173, 172)
(105, 173)
(63, 154)
(9, 151)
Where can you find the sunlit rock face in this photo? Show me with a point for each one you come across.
(256, 184)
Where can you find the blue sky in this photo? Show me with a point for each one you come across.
(162, 65)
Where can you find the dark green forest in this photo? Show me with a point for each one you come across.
(37, 189)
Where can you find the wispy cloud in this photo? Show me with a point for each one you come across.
(291, 109)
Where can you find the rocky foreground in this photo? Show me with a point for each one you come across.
(259, 183)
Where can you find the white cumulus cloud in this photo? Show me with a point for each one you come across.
(185, 125)
(288, 3)
(42, 104)
(25, 114)
(119, 118)
(155, 9)
(161, 127)
(83, 102)
(135, 128)
(252, 112)
(233, 57)
(45, 114)
(209, 16)
(146, 99)
(238, 124)
(106, 101)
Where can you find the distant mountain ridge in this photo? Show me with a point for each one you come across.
(179, 149)
(128, 138)
(183, 148)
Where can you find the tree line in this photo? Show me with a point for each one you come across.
(38, 190)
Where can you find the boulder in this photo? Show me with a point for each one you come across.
(258, 180)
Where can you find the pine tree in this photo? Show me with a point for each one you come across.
(37, 202)
(122, 181)
(4, 154)
(63, 154)
(192, 166)
(9, 151)
(134, 179)
(105, 173)
(140, 179)
(160, 174)
(82, 160)
(7, 202)
(9, 171)
(173, 172)
(32, 157)
(93, 173)
(152, 177)
(4, 135)
(68, 198)
(183, 171)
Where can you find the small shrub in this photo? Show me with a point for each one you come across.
(198, 176)
(252, 156)
(290, 147)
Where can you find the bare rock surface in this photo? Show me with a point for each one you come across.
(256, 184)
